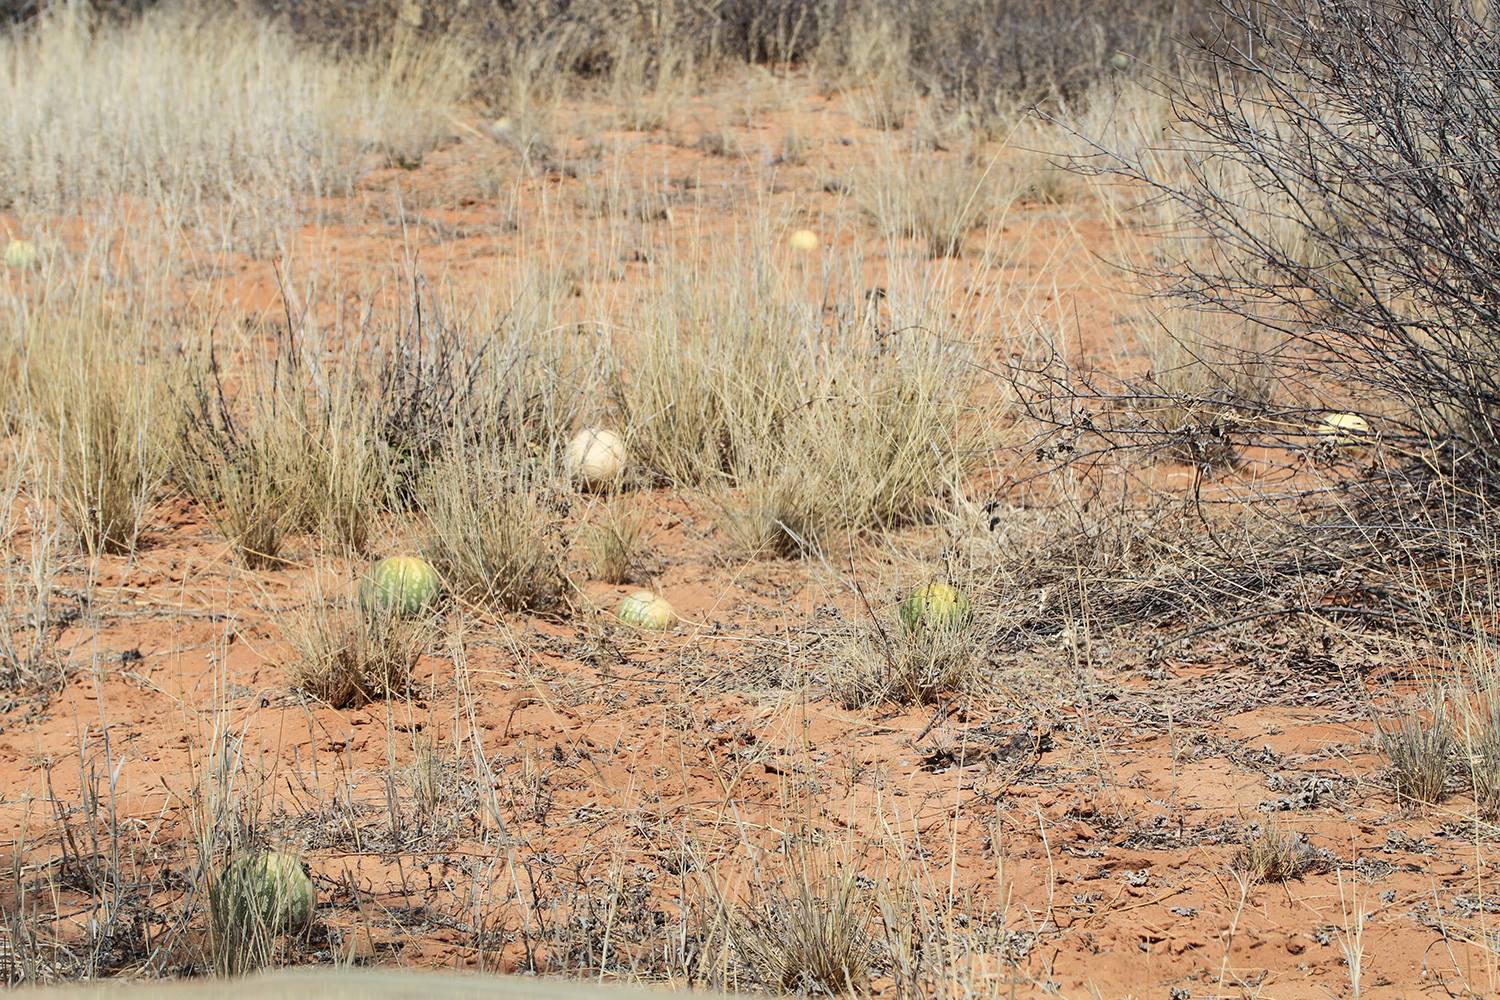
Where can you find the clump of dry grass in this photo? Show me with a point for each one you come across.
(1270, 853)
(301, 453)
(95, 397)
(711, 376)
(1419, 743)
(27, 660)
(879, 444)
(613, 543)
(883, 663)
(347, 656)
(203, 102)
(809, 934)
(494, 527)
(936, 199)
(799, 432)
(870, 61)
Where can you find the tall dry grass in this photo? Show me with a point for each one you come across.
(203, 102)
(94, 389)
(801, 428)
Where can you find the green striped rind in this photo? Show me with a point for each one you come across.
(266, 893)
(644, 609)
(401, 585)
(936, 607)
(21, 254)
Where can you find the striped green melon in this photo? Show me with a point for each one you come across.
(402, 585)
(21, 255)
(935, 607)
(261, 895)
(643, 609)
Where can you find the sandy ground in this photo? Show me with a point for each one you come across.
(597, 786)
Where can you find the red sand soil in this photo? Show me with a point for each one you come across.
(1083, 826)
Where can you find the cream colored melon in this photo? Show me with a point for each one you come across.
(804, 240)
(1344, 428)
(643, 609)
(596, 458)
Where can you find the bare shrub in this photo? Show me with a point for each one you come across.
(1208, 380)
(1310, 185)
(1366, 247)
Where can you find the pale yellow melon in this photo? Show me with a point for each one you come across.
(643, 609)
(804, 240)
(1344, 428)
(596, 458)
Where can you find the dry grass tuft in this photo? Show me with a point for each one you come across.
(880, 444)
(886, 664)
(1270, 853)
(801, 433)
(1419, 744)
(935, 199)
(810, 934)
(613, 543)
(96, 401)
(293, 450)
(494, 518)
(347, 656)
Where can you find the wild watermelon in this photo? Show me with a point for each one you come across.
(403, 585)
(935, 606)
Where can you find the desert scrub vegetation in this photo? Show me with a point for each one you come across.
(292, 450)
(347, 655)
(968, 51)
(494, 527)
(94, 390)
(205, 101)
(799, 429)
(323, 431)
(1336, 238)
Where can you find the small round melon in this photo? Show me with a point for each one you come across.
(502, 127)
(935, 607)
(804, 240)
(401, 585)
(22, 255)
(596, 458)
(643, 609)
(1344, 428)
(266, 893)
